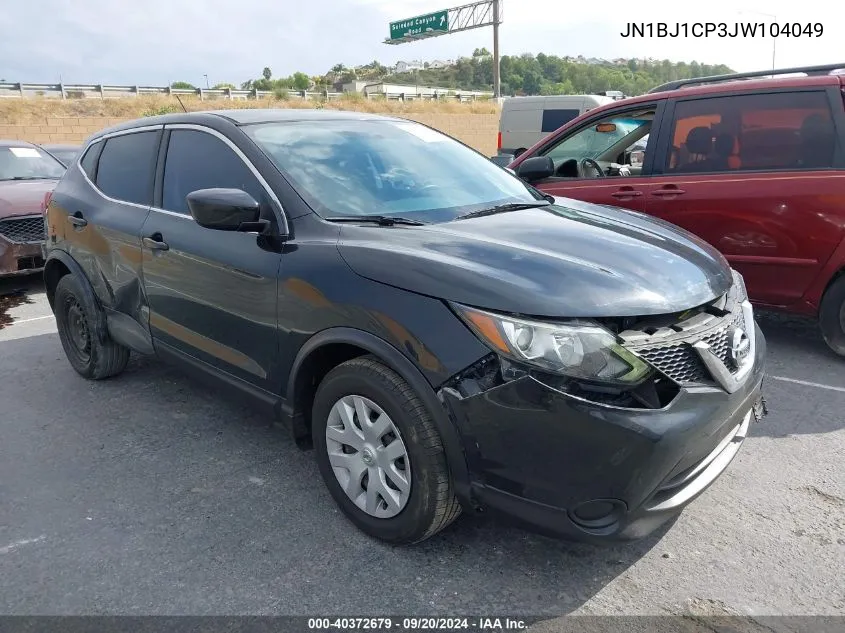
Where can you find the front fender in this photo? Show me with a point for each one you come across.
(399, 363)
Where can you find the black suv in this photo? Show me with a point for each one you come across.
(442, 334)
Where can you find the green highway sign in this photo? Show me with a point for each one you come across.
(437, 22)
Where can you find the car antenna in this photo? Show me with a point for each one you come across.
(180, 103)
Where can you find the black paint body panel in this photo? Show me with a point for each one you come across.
(248, 310)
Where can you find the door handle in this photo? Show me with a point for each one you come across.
(668, 191)
(77, 220)
(155, 243)
(626, 193)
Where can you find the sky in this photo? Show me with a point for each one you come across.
(155, 42)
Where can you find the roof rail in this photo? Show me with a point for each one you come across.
(808, 70)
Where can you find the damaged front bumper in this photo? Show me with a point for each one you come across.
(20, 257)
(567, 466)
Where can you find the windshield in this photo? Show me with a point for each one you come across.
(28, 163)
(395, 168)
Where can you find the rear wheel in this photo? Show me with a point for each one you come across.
(380, 454)
(832, 316)
(89, 356)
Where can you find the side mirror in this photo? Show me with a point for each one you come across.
(536, 168)
(503, 160)
(225, 210)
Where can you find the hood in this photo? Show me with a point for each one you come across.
(570, 259)
(23, 197)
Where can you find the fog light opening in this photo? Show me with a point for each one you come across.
(598, 514)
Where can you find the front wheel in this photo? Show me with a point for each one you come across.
(380, 454)
(832, 316)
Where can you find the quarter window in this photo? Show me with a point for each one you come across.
(126, 167)
(89, 160)
(198, 160)
(786, 131)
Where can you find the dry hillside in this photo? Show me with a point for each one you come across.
(14, 111)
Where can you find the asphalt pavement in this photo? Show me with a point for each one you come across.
(153, 494)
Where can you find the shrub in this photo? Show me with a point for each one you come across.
(165, 109)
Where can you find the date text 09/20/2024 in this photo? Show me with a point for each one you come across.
(722, 29)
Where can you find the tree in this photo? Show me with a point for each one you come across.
(223, 86)
(465, 73)
(532, 82)
(301, 81)
(521, 74)
(180, 85)
(694, 69)
(483, 70)
(513, 81)
(266, 73)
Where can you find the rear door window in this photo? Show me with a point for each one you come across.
(553, 119)
(127, 166)
(198, 160)
(782, 131)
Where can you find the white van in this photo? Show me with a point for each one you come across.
(525, 120)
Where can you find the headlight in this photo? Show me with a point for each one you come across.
(580, 349)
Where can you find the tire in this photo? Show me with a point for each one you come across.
(90, 357)
(430, 505)
(832, 316)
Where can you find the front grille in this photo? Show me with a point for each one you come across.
(670, 349)
(720, 343)
(23, 230)
(678, 361)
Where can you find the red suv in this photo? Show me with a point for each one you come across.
(752, 162)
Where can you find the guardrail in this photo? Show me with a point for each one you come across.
(102, 91)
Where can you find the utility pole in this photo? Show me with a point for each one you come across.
(206, 81)
(774, 44)
(497, 83)
(774, 39)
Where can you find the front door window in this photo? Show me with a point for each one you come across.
(613, 146)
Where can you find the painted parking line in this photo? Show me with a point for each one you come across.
(807, 383)
(26, 541)
(26, 328)
(48, 316)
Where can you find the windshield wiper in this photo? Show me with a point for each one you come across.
(381, 220)
(504, 208)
